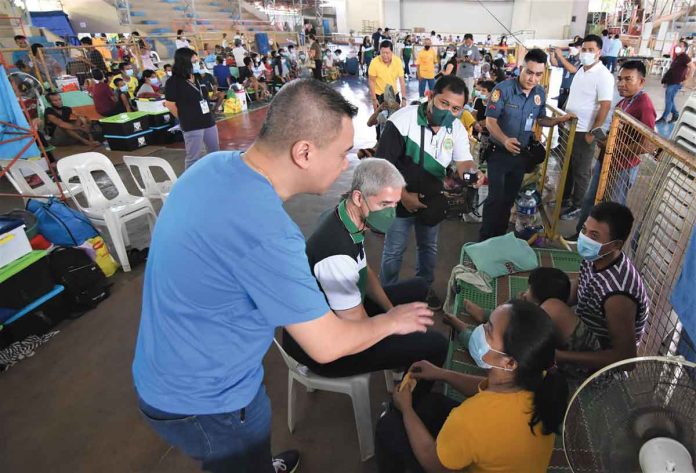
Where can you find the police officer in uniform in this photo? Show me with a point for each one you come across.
(514, 106)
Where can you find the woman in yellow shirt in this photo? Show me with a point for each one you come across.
(508, 422)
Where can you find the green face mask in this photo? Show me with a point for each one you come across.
(380, 220)
(441, 117)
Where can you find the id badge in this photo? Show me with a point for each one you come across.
(529, 124)
(204, 107)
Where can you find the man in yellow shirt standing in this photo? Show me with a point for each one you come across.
(385, 70)
(425, 67)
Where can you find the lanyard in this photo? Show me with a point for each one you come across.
(630, 102)
(197, 87)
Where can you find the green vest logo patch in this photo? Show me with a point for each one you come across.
(448, 144)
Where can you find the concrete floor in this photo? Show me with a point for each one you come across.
(72, 408)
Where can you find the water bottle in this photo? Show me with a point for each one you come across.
(526, 212)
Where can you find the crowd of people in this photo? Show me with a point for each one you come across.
(198, 362)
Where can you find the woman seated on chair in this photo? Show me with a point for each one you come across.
(510, 417)
(248, 79)
(149, 86)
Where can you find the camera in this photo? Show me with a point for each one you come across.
(470, 178)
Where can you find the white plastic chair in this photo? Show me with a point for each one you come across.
(149, 187)
(27, 167)
(357, 387)
(110, 213)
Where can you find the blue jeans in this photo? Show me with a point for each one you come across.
(395, 244)
(617, 193)
(238, 441)
(670, 107)
(421, 86)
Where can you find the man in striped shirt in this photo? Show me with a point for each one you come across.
(612, 302)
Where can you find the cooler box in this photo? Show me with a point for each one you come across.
(25, 280)
(151, 105)
(13, 241)
(263, 46)
(67, 83)
(159, 135)
(128, 143)
(125, 125)
(159, 119)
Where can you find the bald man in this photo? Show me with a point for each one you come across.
(216, 288)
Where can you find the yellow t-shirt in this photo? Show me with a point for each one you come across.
(131, 81)
(489, 432)
(385, 75)
(467, 120)
(426, 61)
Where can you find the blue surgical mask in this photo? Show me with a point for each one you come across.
(589, 249)
(154, 81)
(196, 69)
(478, 346)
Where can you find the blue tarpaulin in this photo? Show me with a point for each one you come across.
(11, 112)
(55, 21)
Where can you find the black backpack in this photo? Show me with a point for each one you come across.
(85, 284)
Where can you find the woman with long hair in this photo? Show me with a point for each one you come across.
(366, 53)
(510, 417)
(149, 85)
(407, 53)
(184, 97)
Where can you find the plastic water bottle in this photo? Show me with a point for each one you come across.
(526, 212)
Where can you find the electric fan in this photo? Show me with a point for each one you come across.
(637, 415)
(30, 91)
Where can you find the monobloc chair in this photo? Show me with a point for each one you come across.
(110, 213)
(147, 184)
(357, 387)
(27, 167)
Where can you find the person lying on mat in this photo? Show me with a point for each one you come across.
(338, 262)
(510, 417)
(65, 127)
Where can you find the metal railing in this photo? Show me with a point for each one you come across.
(656, 179)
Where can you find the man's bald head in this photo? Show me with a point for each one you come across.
(304, 109)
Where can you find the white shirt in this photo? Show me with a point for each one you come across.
(239, 53)
(182, 43)
(225, 43)
(589, 87)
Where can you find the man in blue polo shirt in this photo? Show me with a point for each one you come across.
(513, 108)
(226, 267)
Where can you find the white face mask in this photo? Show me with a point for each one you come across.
(169, 73)
(449, 54)
(678, 50)
(587, 59)
(573, 51)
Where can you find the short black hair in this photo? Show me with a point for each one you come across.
(98, 74)
(117, 80)
(535, 55)
(489, 85)
(122, 66)
(452, 83)
(166, 66)
(312, 37)
(219, 59)
(247, 61)
(321, 107)
(549, 283)
(386, 29)
(19, 36)
(618, 217)
(379, 29)
(635, 65)
(469, 36)
(605, 32)
(51, 94)
(179, 32)
(386, 44)
(616, 36)
(86, 40)
(594, 38)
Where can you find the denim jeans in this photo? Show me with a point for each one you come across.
(670, 107)
(425, 82)
(199, 143)
(238, 441)
(616, 193)
(395, 244)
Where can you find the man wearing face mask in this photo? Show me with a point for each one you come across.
(126, 73)
(590, 99)
(610, 296)
(422, 141)
(513, 108)
(425, 68)
(570, 66)
(468, 56)
(337, 260)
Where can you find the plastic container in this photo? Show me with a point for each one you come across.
(526, 212)
(159, 119)
(25, 280)
(128, 143)
(160, 136)
(125, 125)
(31, 224)
(13, 240)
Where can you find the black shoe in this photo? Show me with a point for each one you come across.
(434, 302)
(570, 213)
(674, 119)
(661, 121)
(287, 462)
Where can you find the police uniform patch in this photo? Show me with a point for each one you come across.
(496, 96)
(448, 144)
(537, 100)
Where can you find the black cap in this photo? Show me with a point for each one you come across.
(576, 43)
